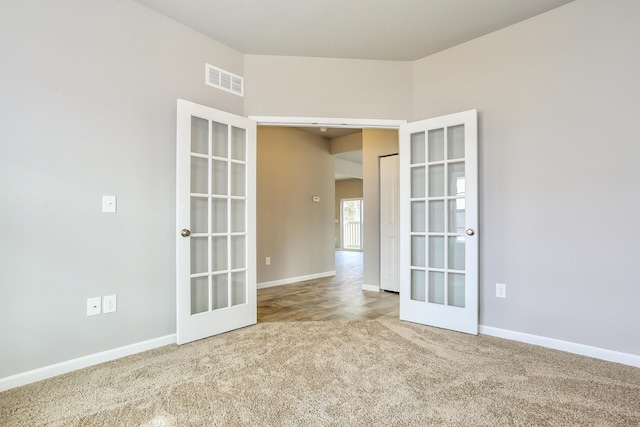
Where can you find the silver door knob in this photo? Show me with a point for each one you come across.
(470, 232)
(185, 233)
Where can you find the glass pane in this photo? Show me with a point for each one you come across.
(238, 254)
(237, 179)
(199, 254)
(219, 178)
(199, 294)
(417, 148)
(455, 142)
(418, 285)
(199, 175)
(436, 181)
(219, 254)
(456, 289)
(418, 255)
(238, 144)
(436, 252)
(456, 216)
(456, 179)
(219, 222)
(456, 253)
(417, 217)
(199, 135)
(417, 182)
(219, 138)
(238, 288)
(199, 215)
(436, 145)
(238, 223)
(436, 216)
(220, 291)
(436, 287)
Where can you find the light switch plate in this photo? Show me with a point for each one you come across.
(316, 199)
(109, 204)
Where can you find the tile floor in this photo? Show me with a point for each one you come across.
(332, 298)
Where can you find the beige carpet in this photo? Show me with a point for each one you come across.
(369, 373)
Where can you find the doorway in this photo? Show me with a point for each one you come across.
(351, 221)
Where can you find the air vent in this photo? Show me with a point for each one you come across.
(217, 77)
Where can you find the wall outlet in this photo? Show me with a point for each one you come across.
(93, 306)
(501, 290)
(267, 260)
(109, 304)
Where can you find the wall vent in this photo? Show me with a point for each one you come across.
(217, 77)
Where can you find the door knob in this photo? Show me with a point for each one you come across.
(185, 232)
(470, 232)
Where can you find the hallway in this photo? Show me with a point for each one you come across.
(332, 298)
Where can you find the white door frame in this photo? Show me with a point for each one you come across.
(331, 122)
(291, 121)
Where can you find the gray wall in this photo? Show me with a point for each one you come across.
(87, 107)
(294, 166)
(326, 87)
(558, 98)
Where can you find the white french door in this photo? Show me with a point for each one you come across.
(216, 211)
(439, 219)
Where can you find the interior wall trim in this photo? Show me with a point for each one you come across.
(372, 288)
(327, 122)
(568, 346)
(56, 369)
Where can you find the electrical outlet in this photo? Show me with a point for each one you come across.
(501, 290)
(109, 304)
(267, 260)
(93, 306)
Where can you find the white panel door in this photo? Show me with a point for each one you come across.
(389, 223)
(439, 220)
(216, 217)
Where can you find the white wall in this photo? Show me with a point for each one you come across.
(558, 98)
(87, 107)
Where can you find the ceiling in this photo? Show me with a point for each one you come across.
(403, 30)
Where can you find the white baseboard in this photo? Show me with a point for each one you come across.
(290, 280)
(82, 362)
(372, 288)
(570, 347)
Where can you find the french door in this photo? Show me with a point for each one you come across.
(216, 204)
(439, 218)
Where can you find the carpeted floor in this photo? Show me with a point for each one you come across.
(344, 373)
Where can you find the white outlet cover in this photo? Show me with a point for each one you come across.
(93, 306)
(109, 304)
